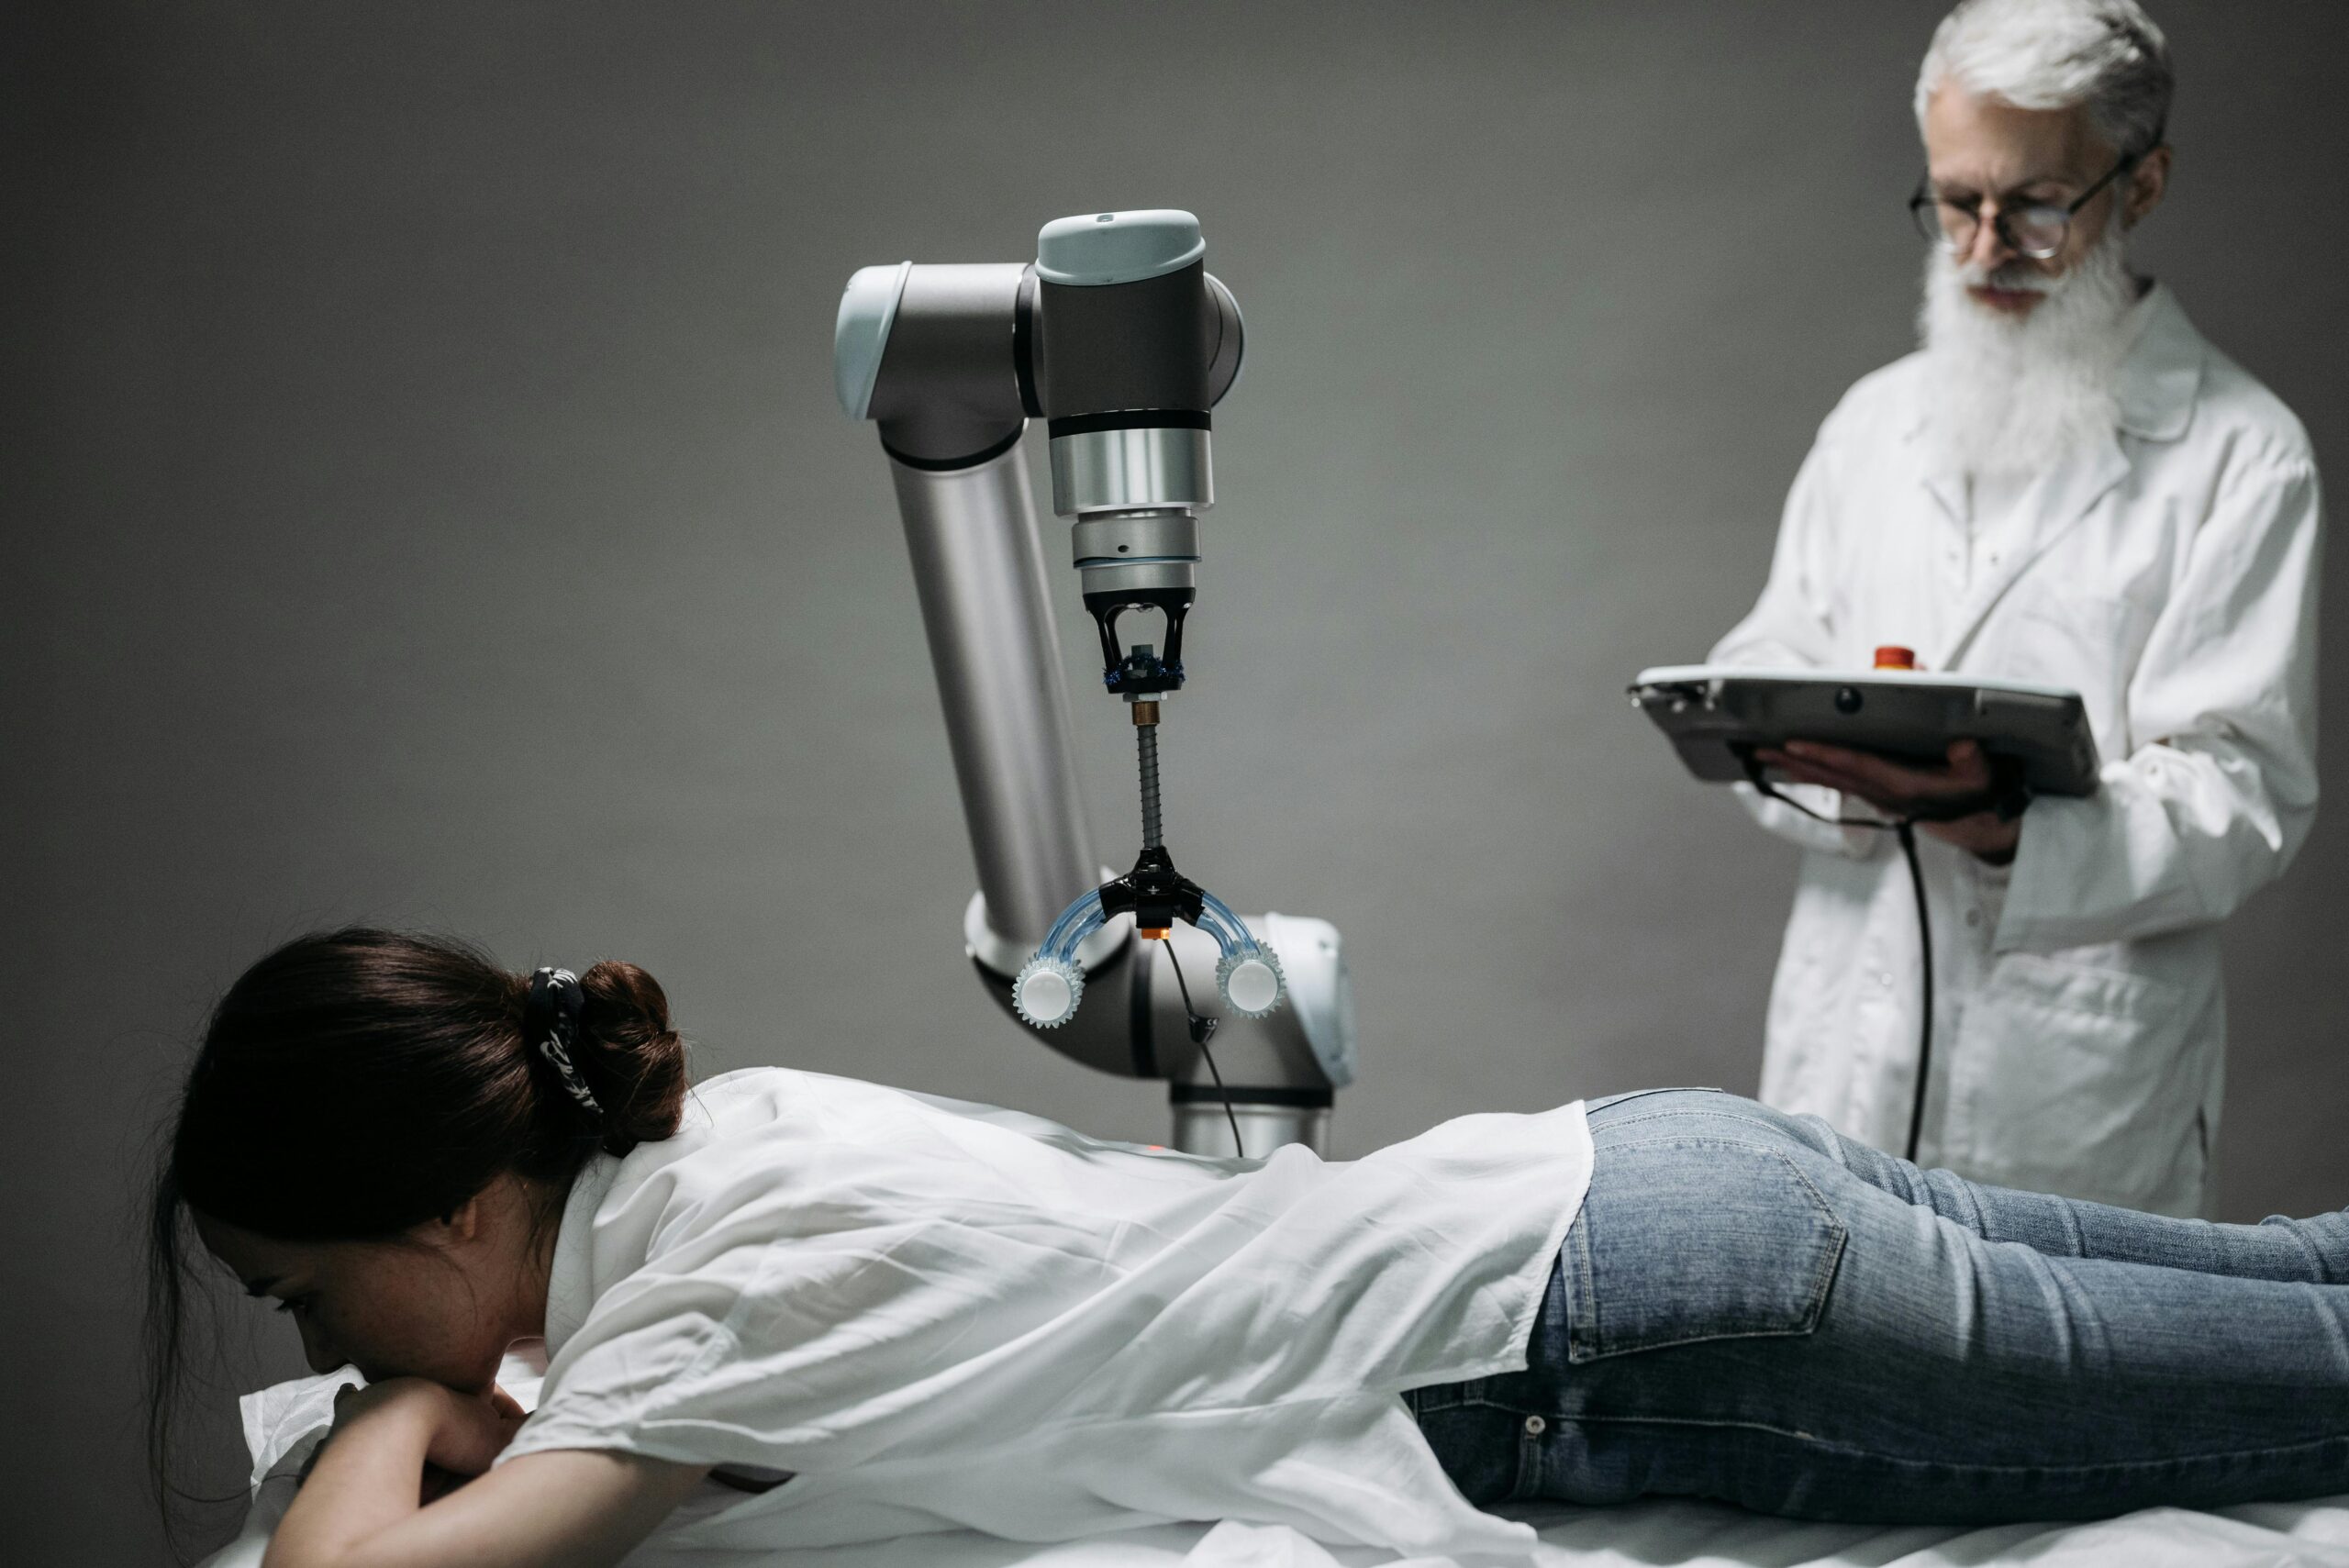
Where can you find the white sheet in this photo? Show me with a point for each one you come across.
(283, 1424)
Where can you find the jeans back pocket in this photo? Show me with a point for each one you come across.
(1684, 1239)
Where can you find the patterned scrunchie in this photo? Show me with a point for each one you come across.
(551, 1025)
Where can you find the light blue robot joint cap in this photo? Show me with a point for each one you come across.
(860, 333)
(1092, 249)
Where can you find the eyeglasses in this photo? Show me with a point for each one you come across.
(2037, 230)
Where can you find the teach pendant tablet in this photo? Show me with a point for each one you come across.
(1716, 715)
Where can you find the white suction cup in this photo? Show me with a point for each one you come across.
(1047, 992)
(1251, 982)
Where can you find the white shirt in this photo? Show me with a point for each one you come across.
(939, 1315)
(1998, 527)
(2170, 574)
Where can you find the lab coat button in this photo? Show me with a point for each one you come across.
(1535, 1425)
(1974, 917)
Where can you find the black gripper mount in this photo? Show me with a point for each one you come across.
(1141, 673)
(1154, 892)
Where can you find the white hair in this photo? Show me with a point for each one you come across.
(2059, 54)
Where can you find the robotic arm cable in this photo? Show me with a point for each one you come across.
(1202, 1029)
(1905, 830)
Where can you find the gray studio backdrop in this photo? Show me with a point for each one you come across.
(426, 505)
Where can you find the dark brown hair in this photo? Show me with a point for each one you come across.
(358, 1082)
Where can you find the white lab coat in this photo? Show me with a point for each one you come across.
(2170, 574)
(939, 1315)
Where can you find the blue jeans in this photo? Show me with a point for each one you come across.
(1753, 1309)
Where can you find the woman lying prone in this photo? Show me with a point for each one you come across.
(929, 1314)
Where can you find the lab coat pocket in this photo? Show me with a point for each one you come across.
(1684, 1240)
(2086, 1080)
(2067, 986)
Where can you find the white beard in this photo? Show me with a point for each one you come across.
(2013, 395)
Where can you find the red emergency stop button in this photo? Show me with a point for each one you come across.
(1893, 657)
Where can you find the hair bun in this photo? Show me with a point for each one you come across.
(632, 1059)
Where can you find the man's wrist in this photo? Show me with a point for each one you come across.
(1981, 835)
(2001, 837)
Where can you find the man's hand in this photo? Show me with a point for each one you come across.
(1901, 789)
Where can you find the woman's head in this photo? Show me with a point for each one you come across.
(439, 1300)
(367, 1133)
(353, 1085)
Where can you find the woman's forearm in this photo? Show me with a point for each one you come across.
(362, 1506)
(367, 1479)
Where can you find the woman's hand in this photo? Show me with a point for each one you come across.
(475, 1430)
(568, 1509)
(397, 1446)
(465, 1431)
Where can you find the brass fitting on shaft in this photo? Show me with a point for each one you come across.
(1144, 712)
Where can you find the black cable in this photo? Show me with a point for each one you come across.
(1200, 1029)
(1908, 833)
(1906, 830)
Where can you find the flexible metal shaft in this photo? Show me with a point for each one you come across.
(1146, 743)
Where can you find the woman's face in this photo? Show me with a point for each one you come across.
(442, 1302)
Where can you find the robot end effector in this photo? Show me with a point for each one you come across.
(1118, 337)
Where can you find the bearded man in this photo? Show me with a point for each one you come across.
(2066, 484)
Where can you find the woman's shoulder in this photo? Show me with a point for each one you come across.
(750, 1098)
(750, 1101)
(783, 1130)
(768, 1155)
(755, 1151)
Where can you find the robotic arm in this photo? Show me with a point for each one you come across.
(1119, 338)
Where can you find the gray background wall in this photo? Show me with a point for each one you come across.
(424, 504)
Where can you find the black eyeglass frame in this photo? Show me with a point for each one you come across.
(1923, 214)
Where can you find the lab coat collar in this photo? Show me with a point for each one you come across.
(2155, 391)
(2162, 372)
